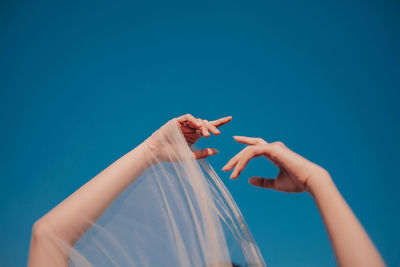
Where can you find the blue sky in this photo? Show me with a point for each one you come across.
(83, 82)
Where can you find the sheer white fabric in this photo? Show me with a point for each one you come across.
(177, 213)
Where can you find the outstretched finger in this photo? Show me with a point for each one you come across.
(190, 120)
(250, 140)
(233, 161)
(204, 153)
(211, 127)
(244, 159)
(222, 121)
(263, 182)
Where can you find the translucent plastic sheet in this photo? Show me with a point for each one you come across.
(177, 213)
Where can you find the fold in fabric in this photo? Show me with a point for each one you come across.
(177, 213)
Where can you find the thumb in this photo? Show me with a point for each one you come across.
(262, 182)
(204, 153)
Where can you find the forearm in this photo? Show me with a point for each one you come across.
(72, 218)
(350, 242)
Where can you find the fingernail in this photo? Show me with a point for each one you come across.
(215, 151)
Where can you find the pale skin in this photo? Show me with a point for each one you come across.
(65, 221)
(351, 243)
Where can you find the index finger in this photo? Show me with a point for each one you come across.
(249, 140)
(221, 121)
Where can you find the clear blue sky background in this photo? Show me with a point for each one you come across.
(83, 82)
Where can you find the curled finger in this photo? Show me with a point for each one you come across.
(203, 128)
(190, 121)
(211, 127)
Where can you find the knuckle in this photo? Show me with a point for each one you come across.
(279, 144)
(270, 150)
(248, 149)
(273, 157)
(248, 153)
(254, 151)
(259, 150)
(322, 170)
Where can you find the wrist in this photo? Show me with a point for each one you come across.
(143, 153)
(320, 181)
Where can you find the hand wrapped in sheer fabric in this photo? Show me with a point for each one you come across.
(163, 144)
(158, 205)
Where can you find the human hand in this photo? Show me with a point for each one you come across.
(192, 129)
(296, 173)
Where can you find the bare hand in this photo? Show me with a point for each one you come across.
(296, 173)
